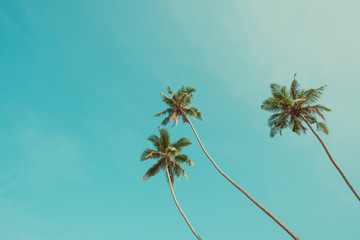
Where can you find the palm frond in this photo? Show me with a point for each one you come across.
(165, 121)
(182, 158)
(194, 112)
(156, 141)
(167, 111)
(276, 90)
(274, 131)
(167, 100)
(294, 89)
(170, 91)
(322, 127)
(322, 108)
(153, 170)
(150, 153)
(312, 95)
(179, 170)
(182, 142)
(271, 104)
(164, 138)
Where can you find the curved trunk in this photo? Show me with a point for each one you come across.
(332, 160)
(178, 206)
(241, 189)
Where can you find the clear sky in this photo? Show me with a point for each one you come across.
(80, 83)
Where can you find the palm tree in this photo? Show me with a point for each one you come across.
(293, 109)
(178, 106)
(170, 160)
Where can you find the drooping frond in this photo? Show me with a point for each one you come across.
(165, 121)
(153, 170)
(178, 170)
(193, 112)
(322, 108)
(278, 120)
(310, 118)
(296, 126)
(322, 127)
(314, 110)
(274, 131)
(182, 158)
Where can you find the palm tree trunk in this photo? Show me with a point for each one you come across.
(241, 189)
(178, 206)
(331, 159)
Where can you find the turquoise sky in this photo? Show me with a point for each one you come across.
(80, 83)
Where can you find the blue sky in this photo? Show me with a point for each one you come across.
(79, 88)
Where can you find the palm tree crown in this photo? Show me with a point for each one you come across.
(178, 105)
(169, 155)
(292, 108)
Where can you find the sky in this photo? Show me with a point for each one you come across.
(79, 87)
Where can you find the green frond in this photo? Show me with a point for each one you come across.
(167, 100)
(276, 90)
(190, 90)
(184, 98)
(179, 170)
(312, 95)
(193, 112)
(271, 104)
(145, 153)
(279, 120)
(294, 89)
(153, 170)
(301, 93)
(296, 126)
(156, 141)
(182, 158)
(170, 91)
(164, 138)
(274, 131)
(322, 108)
(165, 121)
(150, 153)
(322, 127)
(167, 111)
(182, 142)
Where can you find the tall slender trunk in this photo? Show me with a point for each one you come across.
(241, 189)
(332, 160)
(178, 206)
